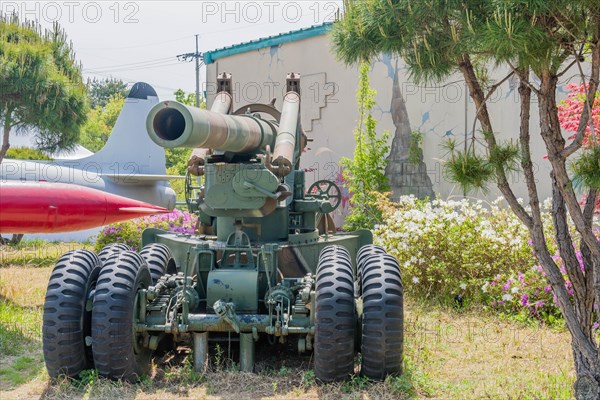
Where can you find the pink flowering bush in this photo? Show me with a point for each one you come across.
(528, 293)
(130, 232)
(569, 117)
(569, 114)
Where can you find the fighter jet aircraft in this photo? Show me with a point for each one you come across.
(128, 175)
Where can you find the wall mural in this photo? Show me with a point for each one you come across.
(406, 173)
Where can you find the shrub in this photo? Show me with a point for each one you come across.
(528, 293)
(26, 153)
(364, 174)
(449, 248)
(446, 248)
(130, 232)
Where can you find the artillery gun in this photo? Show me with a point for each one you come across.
(265, 261)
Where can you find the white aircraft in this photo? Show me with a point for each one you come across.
(129, 165)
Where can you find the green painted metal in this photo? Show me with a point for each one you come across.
(171, 124)
(317, 30)
(239, 287)
(246, 352)
(200, 351)
(254, 274)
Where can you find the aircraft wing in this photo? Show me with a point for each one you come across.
(139, 179)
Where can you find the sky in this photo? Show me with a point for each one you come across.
(140, 40)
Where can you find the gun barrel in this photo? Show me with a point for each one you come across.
(171, 124)
(285, 143)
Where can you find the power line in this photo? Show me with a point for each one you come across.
(172, 64)
(132, 81)
(133, 68)
(137, 45)
(134, 64)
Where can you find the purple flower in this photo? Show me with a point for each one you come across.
(540, 268)
(524, 300)
(548, 289)
(569, 287)
(580, 259)
(539, 304)
(563, 270)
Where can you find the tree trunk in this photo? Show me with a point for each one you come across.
(5, 141)
(483, 116)
(16, 239)
(578, 315)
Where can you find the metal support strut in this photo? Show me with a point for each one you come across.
(200, 351)
(246, 352)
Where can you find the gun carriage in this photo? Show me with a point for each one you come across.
(265, 261)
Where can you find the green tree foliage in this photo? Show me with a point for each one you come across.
(547, 39)
(26, 153)
(177, 159)
(187, 98)
(102, 91)
(100, 123)
(364, 174)
(40, 85)
(107, 98)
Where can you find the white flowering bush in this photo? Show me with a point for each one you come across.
(454, 247)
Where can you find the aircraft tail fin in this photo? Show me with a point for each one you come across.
(129, 150)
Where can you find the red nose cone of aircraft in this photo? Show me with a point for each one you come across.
(43, 207)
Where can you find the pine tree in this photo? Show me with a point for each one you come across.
(40, 85)
(545, 38)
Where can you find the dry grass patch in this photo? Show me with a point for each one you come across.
(450, 354)
(36, 252)
(24, 286)
(477, 355)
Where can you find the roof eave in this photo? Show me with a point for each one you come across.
(211, 56)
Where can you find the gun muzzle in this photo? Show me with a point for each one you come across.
(171, 124)
(285, 143)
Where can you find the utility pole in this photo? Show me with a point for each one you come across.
(199, 58)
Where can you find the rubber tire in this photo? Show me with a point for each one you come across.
(334, 250)
(364, 253)
(335, 319)
(115, 357)
(157, 256)
(159, 259)
(110, 249)
(382, 318)
(66, 322)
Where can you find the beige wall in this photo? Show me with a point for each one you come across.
(329, 107)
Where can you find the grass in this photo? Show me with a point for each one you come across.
(449, 354)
